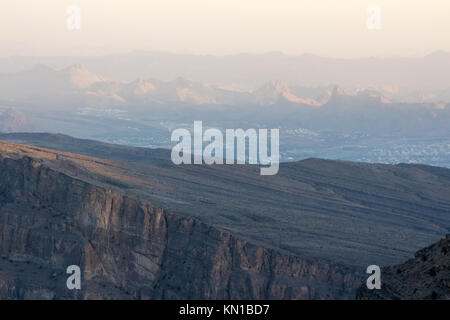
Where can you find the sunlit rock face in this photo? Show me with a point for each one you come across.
(129, 249)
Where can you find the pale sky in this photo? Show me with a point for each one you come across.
(332, 28)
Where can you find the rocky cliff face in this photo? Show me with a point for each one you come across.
(427, 276)
(130, 249)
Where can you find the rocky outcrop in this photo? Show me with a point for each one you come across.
(354, 214)
(427, 276)
(130, 249)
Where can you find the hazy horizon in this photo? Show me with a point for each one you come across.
(240, 53)
(325, 28)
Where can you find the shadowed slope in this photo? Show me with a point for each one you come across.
(353, 213)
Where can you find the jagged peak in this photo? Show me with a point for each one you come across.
(338, 91)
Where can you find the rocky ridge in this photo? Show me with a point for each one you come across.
(130, 249)
(426, 276)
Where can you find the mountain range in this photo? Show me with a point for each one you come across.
(137, 225)
(77, 86)
(248, 71)
(383, 121)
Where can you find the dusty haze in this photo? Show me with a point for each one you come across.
(326, 27)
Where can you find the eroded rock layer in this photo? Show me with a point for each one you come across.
(128, 248)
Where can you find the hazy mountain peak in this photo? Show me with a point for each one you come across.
(40, 68)
(13, 120)
(372, 94)
(279, 85)
(81, 77)
(276, 91)
(439, 54)
(141, 86)
(272, 91)
(338, 91)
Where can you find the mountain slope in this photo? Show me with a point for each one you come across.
(427, 276)
(57, 209)
(323, 221)
(354, 213)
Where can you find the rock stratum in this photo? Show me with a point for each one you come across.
(131, 249)
(426, 276)
(141, 228)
